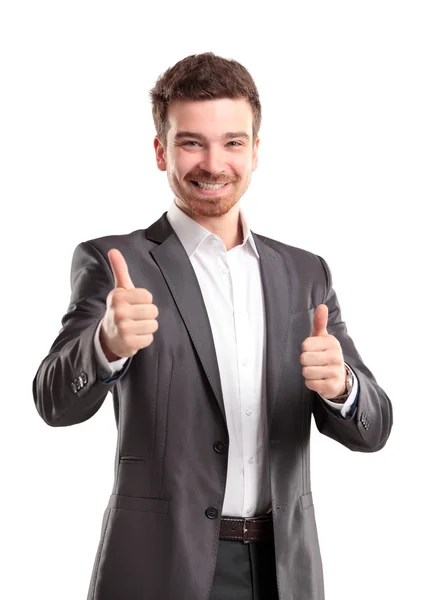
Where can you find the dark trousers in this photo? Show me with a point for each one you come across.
(245, 571)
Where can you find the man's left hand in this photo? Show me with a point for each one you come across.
(324, 366)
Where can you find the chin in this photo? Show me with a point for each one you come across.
(214, 206)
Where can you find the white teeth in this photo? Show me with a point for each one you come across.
(209, 186)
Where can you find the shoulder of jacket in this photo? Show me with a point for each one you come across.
(287, 250)
(126, 242)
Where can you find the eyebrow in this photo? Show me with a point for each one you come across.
(184, 134)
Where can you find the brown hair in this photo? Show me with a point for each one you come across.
(202, 77)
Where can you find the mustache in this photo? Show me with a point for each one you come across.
(207, 180)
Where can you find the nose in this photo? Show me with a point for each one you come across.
(212, 161)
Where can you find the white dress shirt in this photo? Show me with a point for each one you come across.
(230, 283)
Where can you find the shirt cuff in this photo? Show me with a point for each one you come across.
(346, 409)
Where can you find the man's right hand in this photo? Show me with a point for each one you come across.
(130, 318)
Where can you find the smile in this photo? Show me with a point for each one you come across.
(209, 186)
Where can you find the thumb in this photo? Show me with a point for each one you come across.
(320, 321)
(120, 270)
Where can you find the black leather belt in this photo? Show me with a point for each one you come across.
(255, 529)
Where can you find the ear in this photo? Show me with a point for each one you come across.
(160, 154)
(255, 154)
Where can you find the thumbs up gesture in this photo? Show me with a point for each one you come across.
(130, 317)
(324, 366)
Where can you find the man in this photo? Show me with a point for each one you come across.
(218, 344)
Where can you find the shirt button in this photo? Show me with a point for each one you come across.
(248, 412)
(249, 510)
(251, 460)
(245, 362)
(226, 271)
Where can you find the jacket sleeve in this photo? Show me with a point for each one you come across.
(68, 387)
(368, 429)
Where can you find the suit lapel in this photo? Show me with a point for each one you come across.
(182, 282)
(276, 292)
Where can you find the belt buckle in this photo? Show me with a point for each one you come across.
(245, 529)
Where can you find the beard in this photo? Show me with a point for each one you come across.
(201, 205)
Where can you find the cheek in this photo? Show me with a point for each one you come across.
(183, 166)
(174, 164)
(242, 166)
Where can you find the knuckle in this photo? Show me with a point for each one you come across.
(122, 327)
(147, 340)
(149, 326)
(115, 297)
(149, 312)
(146, 296)
(119, 316)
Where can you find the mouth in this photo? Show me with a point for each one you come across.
(209, 188)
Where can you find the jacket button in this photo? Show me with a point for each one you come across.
(219, 447)
(212, 512)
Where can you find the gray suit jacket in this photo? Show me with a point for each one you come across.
(160, 529)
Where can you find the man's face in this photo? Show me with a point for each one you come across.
(197, 150)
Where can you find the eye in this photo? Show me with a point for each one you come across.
(192, 142)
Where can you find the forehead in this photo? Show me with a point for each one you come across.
(210, 117)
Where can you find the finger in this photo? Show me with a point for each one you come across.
(318, 359)
(138, 296)
(140, 312)
(316, 344)
(120, 270)
(319, 327)
(143, 327)
(320, 372)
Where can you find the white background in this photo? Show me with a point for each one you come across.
(341, 173)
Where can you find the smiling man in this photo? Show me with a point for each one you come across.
(209, 156)
(218, 346)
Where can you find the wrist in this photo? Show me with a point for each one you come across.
(110, 356)
(347, 389)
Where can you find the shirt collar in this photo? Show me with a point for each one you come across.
(192, 234)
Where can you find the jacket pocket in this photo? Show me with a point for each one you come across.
(136, 543)
(132, 459)
(94, 578)
(306, 500)
(304, 317)
(152, 505)
(311, 561)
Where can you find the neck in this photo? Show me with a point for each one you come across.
(227, 226)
